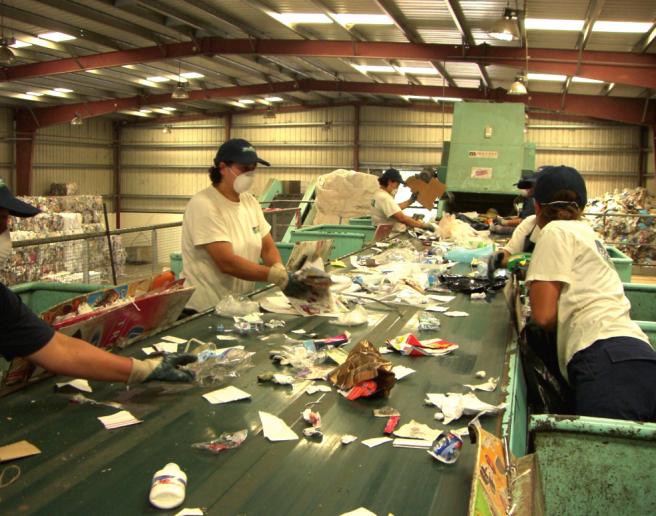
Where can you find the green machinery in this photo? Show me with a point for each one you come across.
(486, 156)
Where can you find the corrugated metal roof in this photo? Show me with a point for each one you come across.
(422, 10)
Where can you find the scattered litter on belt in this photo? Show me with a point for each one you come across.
(190, 511)
(118, 420)
(364, 364)
(441, 299)
(226, 395)
(402, 371)
(384, 350)
(299, 331)
(355, 317)
(488, 386)
(453, 405)
(376, 441)
(337, 263)
(275, 323)
(410, 345)
(338, 356)
(481, 374)
(411, 443)
(230, 307)
(477, 295)
(461, 432)
(311, 431)
(313, 389)
(348, 439)
(81, 399)
(467, 284)
(215, 365)
(436, 308)
(225, 441)
(249, 323)
(225, 337)
(386, 412)
(391, 424)
(280, 379)
(456, 314)
(428, 322)
(311, 417)
(149, 350)
(416, 430)
(275, 429)
(78, 383)
(175, 340)
(360, 511)
(361, 390)
(166, 347)
(446, 448)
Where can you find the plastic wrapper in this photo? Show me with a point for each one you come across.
(461, 233)
(428, 322)
(280, 379)
(231, 307)
(446, 448)
(364, 363)
(355, 317)
(225, 441)
(411, 346)
(214, 366)
(274, 323)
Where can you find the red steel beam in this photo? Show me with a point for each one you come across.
(24, 147)
(617, 67)
(626, 110)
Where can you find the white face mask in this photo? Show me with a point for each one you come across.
(243, 182)
(5, 247)
(525, 193)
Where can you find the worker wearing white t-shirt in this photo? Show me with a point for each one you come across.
(385, 210)
(225, 234)
(573, 287)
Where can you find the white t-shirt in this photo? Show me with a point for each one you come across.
(211, 217)
(592, 304)
(526, 227)
(383, 206)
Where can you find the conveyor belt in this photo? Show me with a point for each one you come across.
(85, 469)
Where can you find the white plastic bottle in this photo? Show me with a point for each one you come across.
(168, 488)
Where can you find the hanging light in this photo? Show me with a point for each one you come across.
(180, 92)
(506, 28)
(518, 87)
(7, 56)
(77, 119)
(167, 129)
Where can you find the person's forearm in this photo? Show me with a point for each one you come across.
(243, 269)
(270, 255)
(408, 221)
(74, 357)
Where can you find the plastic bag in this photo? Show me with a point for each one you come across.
(355, 317)
(230, 307)
(214, 366)
(225, 441)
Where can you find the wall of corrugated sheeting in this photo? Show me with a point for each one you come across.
(6, 146)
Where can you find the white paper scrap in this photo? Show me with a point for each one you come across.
(412, 443)
(441, 299)
(275, 429)
(226, 395)
(148, 350)
(348, 438)
(119, 419)
(176, 340)
(375, 441)
(488, 386)
(402, 371)
(477, 295)
(384, 350)
(360, 511)
(300, 331)
(190, 511)
(456, 314)
(454, 405)
(166, 347)
(313, 389)
(436, 308)
(416, 430)
(226, 337)
(79, 384)
(481, 374)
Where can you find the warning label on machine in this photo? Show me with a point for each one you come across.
(481, 173)
(483, 154)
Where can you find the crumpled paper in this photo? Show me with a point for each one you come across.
(363, 363)
(453, 405)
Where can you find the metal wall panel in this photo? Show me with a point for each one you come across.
(6, 146)
(74, 154)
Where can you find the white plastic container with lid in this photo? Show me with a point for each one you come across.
(168, 487)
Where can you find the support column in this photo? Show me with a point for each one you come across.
(356, 137)
(116, 162)
(24, 153)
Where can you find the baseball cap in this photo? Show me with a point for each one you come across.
(552, 179)
(391, 174)
(16, 208)
(238, 151)
(527, 182)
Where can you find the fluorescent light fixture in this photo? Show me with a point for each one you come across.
(415, 97)
(34, 93)
(144, 110)
(168, 108)
(20, 44)
(625, 27)
(418, 70)
(93, 70)
(447, 99)
(238, 104)
(586, 80)
(54, 93)
(137, 113)
(552, 24)
(300, 18)
(158, 78)
(192, 75)
(23, 96)
(273, 99)
(246, 101)
(144, 82)
(63, 90)
(56, 36)
(129, 67)
(374, 68)
(363, 19)
(546, 77)
(468, 83)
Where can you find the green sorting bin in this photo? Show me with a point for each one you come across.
(41, 295)
(285, 249)
(361, 221)
(643, 307)
(176, 263)
(346, 239)
(623, 263)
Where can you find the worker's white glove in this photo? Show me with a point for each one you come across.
(278, 275)
(163, 368)
(427, 226)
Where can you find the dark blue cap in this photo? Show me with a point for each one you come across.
(551, 180)
(16, 208)
(391, 174)
(238, 151)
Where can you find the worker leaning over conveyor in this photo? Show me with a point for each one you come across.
(574, 288)
(225, 234)
(23, 334)
(385, 210)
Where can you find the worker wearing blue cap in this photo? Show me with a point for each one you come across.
(385, 210)
(574, 288)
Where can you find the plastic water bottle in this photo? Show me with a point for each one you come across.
(168, 488)
(432, 278)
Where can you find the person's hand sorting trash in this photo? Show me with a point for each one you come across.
(428, 226)
(165, 369)
(494, 262)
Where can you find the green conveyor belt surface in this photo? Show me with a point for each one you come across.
(85, 469)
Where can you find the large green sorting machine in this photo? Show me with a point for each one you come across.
(486, 156)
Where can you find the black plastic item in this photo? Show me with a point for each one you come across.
(476, 224)
(470, 285)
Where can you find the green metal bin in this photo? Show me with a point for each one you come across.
(623, 263)
(41, 295)
(346, 239)
(643, 307)
(176, 263)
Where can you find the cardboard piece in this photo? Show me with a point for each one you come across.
(18, 450)
(428, 192)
